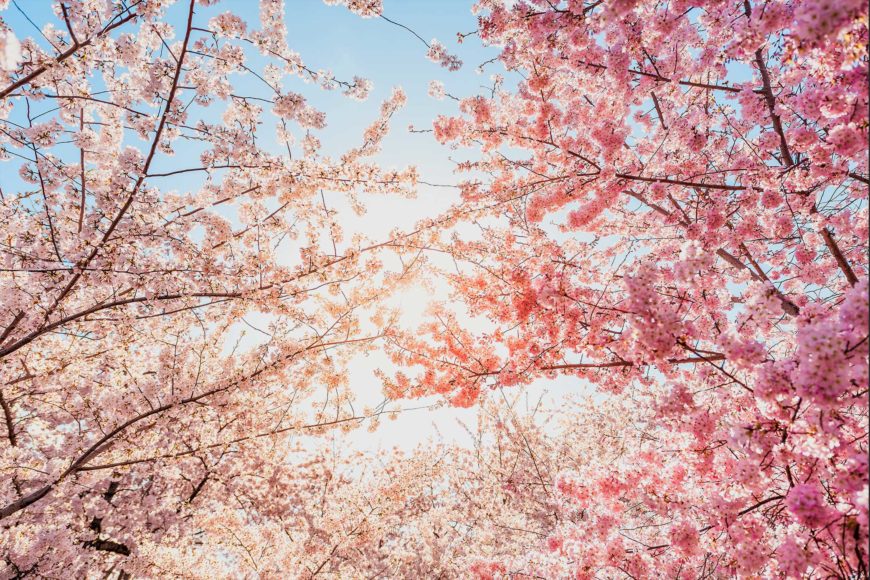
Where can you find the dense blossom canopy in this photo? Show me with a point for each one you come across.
(663, 203)
(678, 194)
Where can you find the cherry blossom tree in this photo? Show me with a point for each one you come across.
(671, 207)
(666, 208)
(151, 222)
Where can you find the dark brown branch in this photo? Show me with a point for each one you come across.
(659, 110)
(69, 27)
(10, 424)
(108, 546)
(11, 327)
(82, 163)
(759, 504)
(664, 79)
(771, 107)
(625, 363)
(614, 364)
(198, 488)
(839, 257)
(51, 231)
(721, 186)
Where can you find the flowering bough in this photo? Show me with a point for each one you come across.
(148, 225)
(674, 209)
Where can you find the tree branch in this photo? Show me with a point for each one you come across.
(839, 257)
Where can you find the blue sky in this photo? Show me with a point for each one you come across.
(333, 38)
